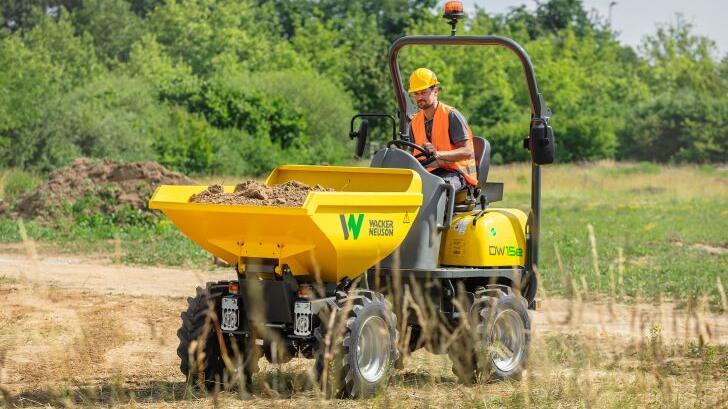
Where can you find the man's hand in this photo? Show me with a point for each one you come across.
(430, 148)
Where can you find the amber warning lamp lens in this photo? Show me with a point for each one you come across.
(454, 9)
(453, 12)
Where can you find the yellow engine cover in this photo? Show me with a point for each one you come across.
(498, 239)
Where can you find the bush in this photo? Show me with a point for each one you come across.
(584, 138)
(187, 144)
(325, 107)
(239, 153)
(114, 117)
(226, 106)
(506, 141)
(681, 127)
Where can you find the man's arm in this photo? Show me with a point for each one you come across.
(464, 151)
(460, 137)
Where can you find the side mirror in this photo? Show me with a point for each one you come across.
(361, 137)
(541, 143)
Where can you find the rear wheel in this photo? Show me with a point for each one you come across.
(507, 336)
(498, 347)
(362, 347)
(208, 357)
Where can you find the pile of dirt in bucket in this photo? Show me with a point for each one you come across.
(288, 194)
(104, 186)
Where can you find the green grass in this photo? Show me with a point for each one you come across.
(152, 244)
(661, 217)
(14, 183)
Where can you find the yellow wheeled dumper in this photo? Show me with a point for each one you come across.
(388, 260)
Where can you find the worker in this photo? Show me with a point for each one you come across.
(443, 132)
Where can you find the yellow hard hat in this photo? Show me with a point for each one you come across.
(422, 78)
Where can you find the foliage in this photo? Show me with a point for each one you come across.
(113, 117)
(71, 55)
(112, 25)
(187, 145)
(320, 102)
(178, 80)
(27, 81)
(15, 183)
(683, 127)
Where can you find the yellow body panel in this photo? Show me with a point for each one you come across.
(334, 234)
(498, 239)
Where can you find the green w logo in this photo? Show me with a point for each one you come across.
(352, 226)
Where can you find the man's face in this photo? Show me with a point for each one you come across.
(425, 98)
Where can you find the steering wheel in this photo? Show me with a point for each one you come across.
(424, 153)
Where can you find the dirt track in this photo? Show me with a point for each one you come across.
(92, 321)
(103, 277)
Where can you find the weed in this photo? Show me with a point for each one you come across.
(15, 183)
(7, 280)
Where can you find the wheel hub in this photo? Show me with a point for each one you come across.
(508, 341)
(372, 350)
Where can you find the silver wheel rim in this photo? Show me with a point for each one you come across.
(508, 341)
(372, 348)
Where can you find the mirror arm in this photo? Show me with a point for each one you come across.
(353, 134)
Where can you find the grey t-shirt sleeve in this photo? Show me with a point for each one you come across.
(458, 127)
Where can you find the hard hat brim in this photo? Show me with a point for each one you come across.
(411, 90)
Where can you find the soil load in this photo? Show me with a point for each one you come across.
(105, 186)
(253, 193)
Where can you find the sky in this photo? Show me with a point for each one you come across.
(634, 19)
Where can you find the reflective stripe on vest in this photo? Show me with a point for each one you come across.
(441, 141)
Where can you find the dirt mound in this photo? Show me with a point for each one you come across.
(105, 186)
(288, 194)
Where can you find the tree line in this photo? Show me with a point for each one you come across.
(240, 86)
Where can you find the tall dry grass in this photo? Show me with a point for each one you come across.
(591, 346)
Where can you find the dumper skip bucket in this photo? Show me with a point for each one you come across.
(331, 236)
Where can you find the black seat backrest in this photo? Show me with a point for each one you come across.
(481, 149)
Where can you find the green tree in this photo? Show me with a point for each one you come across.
(112, 117)
(173, 80)
(392, 17)
(325, 106)
(214, 36)
(680, 127)
(73, 55)
(678, 59)
(27, 80)
(112, 25)
(187, 145)
(25, 14)
(684, 119)
(351, 53)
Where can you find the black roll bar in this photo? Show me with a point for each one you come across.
(539, 111)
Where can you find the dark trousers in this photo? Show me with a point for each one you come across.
(454, 178)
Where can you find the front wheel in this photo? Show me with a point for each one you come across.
(208, 357)
(361, 346)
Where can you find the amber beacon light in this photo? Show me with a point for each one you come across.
(453, 12)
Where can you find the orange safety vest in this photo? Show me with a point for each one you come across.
(441, 141)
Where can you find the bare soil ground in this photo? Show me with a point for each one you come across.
(119, 184)
(81, 331)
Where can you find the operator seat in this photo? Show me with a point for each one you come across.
(466, 199)
(481, 149)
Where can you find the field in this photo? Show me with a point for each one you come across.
(634, 311)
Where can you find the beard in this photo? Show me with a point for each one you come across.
(422, 104)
